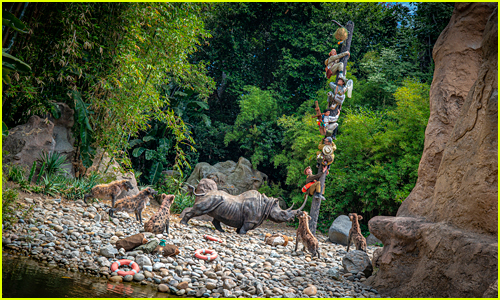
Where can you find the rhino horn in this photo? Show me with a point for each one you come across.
(303, 204)
(194, 189)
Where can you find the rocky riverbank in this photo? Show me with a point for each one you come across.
(72, 235)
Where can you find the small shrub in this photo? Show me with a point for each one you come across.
(15, 173)
(9, 197)
(181, 202)
(81, 186)
(272, 190)
(54, 163)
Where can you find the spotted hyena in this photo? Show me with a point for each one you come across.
(305, 235)
(109, 191)
(355, 233)
(161, 219)
(134, 203)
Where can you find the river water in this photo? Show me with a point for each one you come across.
(26, 278)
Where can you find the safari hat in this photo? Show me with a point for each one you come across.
(308, 167)
(327, 150)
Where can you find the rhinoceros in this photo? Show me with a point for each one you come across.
(245, 211)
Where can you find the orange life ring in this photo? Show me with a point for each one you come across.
(199, 254)
(125, 262)
(212, 238)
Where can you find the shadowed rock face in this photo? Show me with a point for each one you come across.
(443, 242)
(424, 259)
(25, 143)
(233, 178)
(458, 56)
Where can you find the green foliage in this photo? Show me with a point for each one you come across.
(32, 172)
(385, 69)
(9, 197)
(83, 129)
(10, 63)
(255, 129)
(76, 188)
(110, 58)
(377, 157)
(5, 129)
(181, 202)
(15, 173)
(210, 143)
(272, 190)
(54, 163)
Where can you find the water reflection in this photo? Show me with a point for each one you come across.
(26, 278)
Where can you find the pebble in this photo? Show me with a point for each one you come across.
(163, 288)
(116, 278)
(310, 291)
(139, 277)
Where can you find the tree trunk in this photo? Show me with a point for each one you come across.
(315, 205)
(346, 46)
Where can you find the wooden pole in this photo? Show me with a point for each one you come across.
(346, 46)
(315, 205)
(316, 202)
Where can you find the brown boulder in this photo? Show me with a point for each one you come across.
(424, 259)
(26, 142)
(443, 242)
(233, 178)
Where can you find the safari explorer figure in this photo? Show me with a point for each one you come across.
(333, 65)
(313, 186)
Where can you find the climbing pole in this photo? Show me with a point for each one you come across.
(346, 46)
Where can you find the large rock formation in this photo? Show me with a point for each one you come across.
(62, 134)
(443, 242)
(25, 143)
(233, 178)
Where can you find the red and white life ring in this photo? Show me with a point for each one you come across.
(199, 254)
(211, 238)
(125, 262)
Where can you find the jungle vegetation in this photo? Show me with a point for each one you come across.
(163, 86)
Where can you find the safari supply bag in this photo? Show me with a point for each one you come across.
(130, 242)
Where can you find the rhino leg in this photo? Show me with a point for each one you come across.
(217, 225)
(246, 227)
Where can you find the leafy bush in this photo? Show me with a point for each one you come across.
(9, 197)
(272, 190)
(15, 173)
(54, 163)
(255, 129)
(181, 201)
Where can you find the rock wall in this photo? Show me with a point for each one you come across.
(25, 143)
(233, 178)
(457, 55)
(443, 242)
